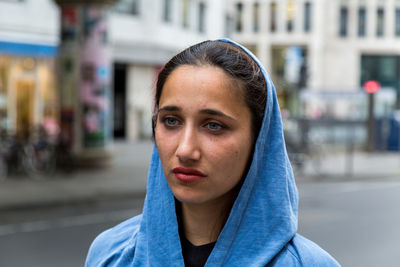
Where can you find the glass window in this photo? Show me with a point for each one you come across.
(4, 75)
(384, 69)
(239, 17)
(202, 17)
(127, 7)
(307, 17)
(388, 69)
(256, 17)
(272, 24)
(397, 22)
(344, 13)
(290, 11)
(167, 10)
(362, 15)
(380, 22)
(185, 13)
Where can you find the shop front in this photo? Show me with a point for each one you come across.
(28, 93)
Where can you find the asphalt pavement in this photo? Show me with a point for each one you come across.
(126, 177)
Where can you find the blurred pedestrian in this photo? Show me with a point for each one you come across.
(220, 190)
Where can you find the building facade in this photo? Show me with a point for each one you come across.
(325, 46)
(143, 35)
(28, 51)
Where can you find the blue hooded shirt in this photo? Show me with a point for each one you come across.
(260, 230)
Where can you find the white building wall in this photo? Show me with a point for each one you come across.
(139, 109)
(146, 37)
(29, 22)
(316, 45)
(334, 61)
(146, 42)
(342, 55)
(215, 18)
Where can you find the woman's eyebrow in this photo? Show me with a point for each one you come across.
(215, 112)
(207, 111)
(169, 108)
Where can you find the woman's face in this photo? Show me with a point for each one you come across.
(203, 134)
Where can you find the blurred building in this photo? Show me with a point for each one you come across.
(327, 47)
(143, 34)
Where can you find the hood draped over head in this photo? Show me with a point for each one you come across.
(262, 224)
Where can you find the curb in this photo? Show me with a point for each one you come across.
(72, 201)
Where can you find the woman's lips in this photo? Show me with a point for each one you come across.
(187, 175)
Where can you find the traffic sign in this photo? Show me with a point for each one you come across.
(372, 86)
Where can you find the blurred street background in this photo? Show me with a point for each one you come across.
(76, 85)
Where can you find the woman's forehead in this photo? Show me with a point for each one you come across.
(201, 83)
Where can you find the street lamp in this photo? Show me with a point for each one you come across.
(371, 87)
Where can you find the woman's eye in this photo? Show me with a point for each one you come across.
(170, 121)
(213, 126)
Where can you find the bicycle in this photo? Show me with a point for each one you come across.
(40, 160)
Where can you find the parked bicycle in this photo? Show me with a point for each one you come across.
(41, 154)
(3, 162)
(32, 155)
(65, 161)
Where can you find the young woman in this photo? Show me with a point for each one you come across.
(220, 188)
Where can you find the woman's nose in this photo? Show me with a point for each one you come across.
(188, 147)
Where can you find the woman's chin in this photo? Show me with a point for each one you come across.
(190, 198)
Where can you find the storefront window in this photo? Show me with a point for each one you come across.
(49, 98)
(384, 69)
(28, 95)
(3, 91)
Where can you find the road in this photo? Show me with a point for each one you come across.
(357, 222)
(58, 236)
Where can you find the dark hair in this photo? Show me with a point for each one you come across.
(235, 62)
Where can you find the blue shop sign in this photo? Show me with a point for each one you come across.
(27, 50)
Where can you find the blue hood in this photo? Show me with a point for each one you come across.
(261, 228)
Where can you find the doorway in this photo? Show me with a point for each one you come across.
(120, 100)
(25, 107)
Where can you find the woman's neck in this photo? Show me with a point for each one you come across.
(203, 222)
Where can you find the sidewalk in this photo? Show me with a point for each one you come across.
(127, 177)
(359, 165)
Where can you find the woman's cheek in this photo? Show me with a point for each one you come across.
(224, 153)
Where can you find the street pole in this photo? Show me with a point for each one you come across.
(371, 122)
(84, 80)
(350, 152)
(371, 87)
